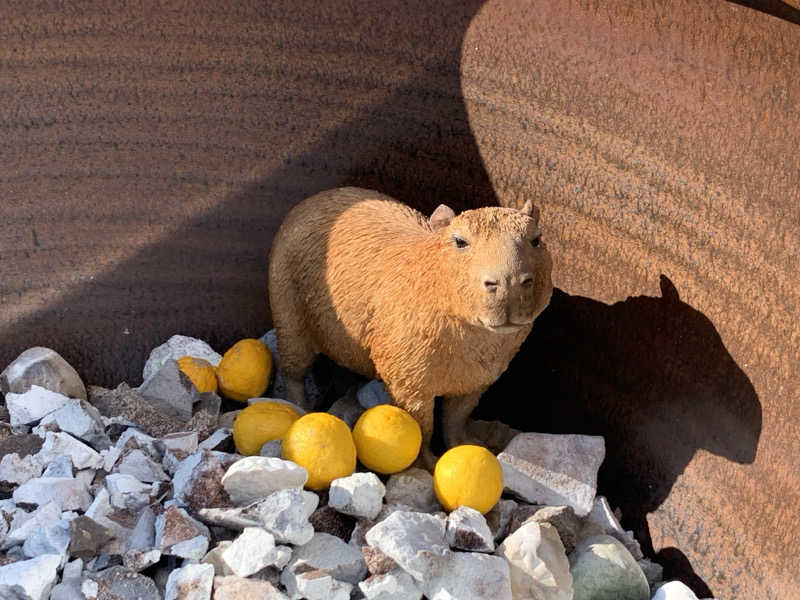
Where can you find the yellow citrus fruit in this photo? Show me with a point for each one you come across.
(387, 439)
(260, 423)
(200, 371)
(468, 476)
(323, 445)
(244, 370)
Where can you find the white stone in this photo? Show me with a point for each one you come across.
(412, 487)
(252, 551)
(24, 525)
(110, 457)
(539, 565)
(359, 495)
(82, 456)
(372, 394)
(674, 590)
(140, 466)
(394, 585)
(283, 513)
(255, 477)
(32, 405)
(602, 567)
(214, 558)
(555, 470)
(602, 515)
(16, 470)
(99, 512)
(194, 548)
(467, 530)
(127, 491)
(415, 541)
(170, 391)
(90, 589)
(60, 466)
(68, 493)
(177, 347)
(44, 367)
(191, 582)
(174, 526)
(184, 441)
(216, 438)
(35, 576)
(315, 584)
(332, 555)
(72, 570)
(52, 538)
(470, 576)
(237, 588)
(80, 419)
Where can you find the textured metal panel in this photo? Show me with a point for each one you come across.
(149, 154)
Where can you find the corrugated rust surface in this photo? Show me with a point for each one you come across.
(149, 154)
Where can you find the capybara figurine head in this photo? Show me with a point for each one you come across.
(499, 267)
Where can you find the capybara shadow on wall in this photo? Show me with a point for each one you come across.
(649, 374)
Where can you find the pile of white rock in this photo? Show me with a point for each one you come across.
(139, 494)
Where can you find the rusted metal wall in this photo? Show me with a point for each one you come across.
(150, 152)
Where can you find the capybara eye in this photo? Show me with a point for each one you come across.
(460, 243)
(537, 241)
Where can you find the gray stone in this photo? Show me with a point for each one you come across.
(140, 466)
(412, 487)
(45, 368)
(68, 493)
(66, 590)
(467, 530)
(197, 482)
(25, 524)
(499, 518)
(653, 571)
(60, 466)
(415, 541)
(237, 588)
(185, 441)
(174, 526)
(674, 590)
(538, 564)
(358, 495)
(255, 477)
(81, 419)
(271, 449)
(214, 558)
(177, 347)
(394, 585)
(602, 515)
(555, 470)
(470, 576)
(16, 471)
(377, 562)
(35, 577)
(565, 521)
(252, 551)
(285, 514)
(126, 404)
(192, 582)
(72, 570)
(372, 394)
(101, 512)
(143, 535)
(194, 548)
(276, 388)
(218, 440)
(347, 409)
(127, 492)
(52, 538)
(82, 456)
(87, 536)
(170, 391)
(119, 582)
(30, 406)
(602, 569)
(332, 555)
(314, 584)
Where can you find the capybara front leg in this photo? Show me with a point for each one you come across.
(455, 414)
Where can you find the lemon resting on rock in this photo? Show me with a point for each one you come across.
(260, 423)
(387, 439)
(200, 371)
(323, 445)
(468, 476)
(245, 370)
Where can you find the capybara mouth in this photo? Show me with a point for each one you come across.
(507, 327)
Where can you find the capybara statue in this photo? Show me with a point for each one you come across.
(431, 306)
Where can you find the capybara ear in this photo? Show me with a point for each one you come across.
(529, 209)
(441, 217)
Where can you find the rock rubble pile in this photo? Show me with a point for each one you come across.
(139, 494)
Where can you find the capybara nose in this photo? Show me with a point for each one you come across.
(491, 284)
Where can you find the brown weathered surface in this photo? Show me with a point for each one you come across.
(149, 154)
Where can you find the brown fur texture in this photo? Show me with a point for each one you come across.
(432, 307)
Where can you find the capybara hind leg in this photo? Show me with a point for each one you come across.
(455, 415)
(296, 356)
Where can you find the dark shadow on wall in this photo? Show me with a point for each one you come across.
(650, 375)
(776, 8)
